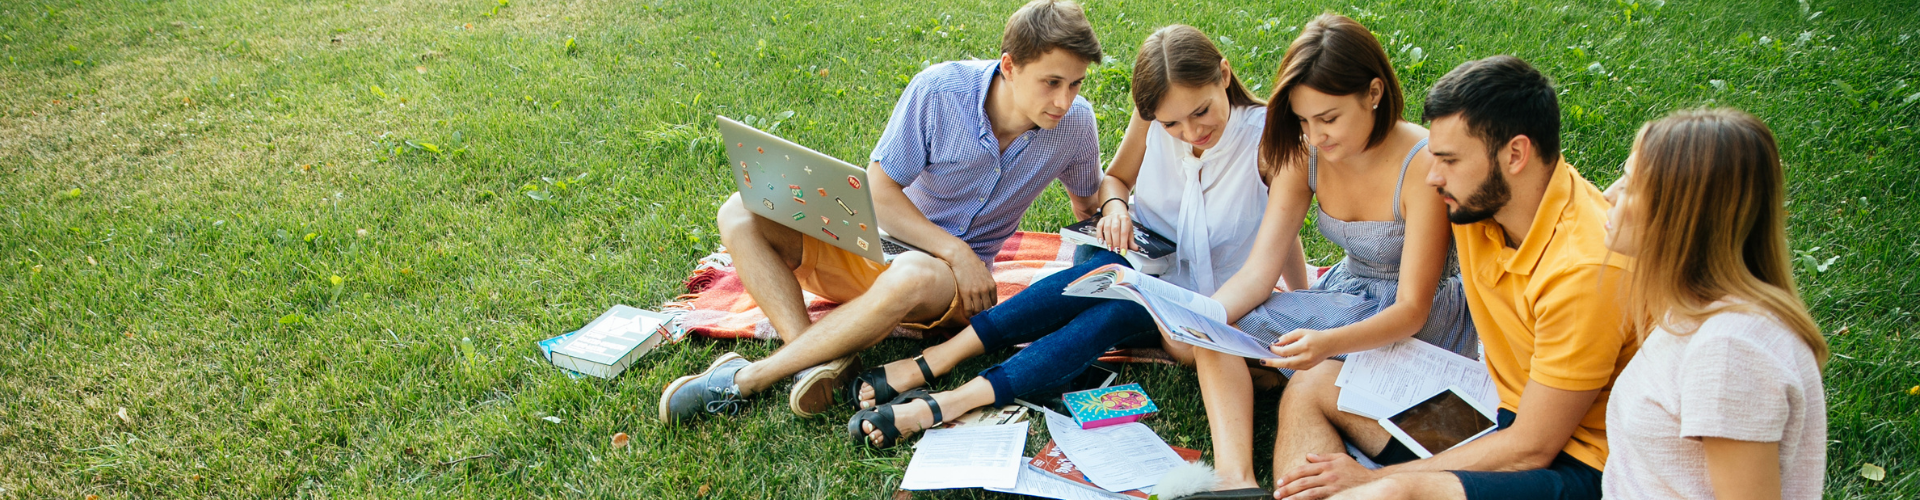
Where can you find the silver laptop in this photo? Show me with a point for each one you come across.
(815, 194)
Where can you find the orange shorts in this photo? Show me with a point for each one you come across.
(840, 276)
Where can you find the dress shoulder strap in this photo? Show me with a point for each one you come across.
(1403, 177)
(1313, 169)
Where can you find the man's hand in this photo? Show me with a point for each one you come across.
(977, 289)
(1299, 350)
(1321, 477)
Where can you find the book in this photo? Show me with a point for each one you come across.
(1052, 460)
(546, 350)
(609, 344)
(1096, 408)
(1087, 232)
(1185, 316)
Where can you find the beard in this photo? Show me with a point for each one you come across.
(1489, 198)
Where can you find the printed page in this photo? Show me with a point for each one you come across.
(1173, 294)
(978, 456)
(1119, 458)
(1038, 483)
(1186, 316)
(1380, 382)
(1103, 283)
(1201, 330)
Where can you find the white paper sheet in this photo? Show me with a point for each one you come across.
(979, 456)
(1039, 483)
(1381, 382)
(1119, 458)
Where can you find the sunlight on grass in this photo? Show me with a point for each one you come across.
(254, 249)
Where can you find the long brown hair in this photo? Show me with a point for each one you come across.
(1180, 55)
(1337, 56)
(1709, 197)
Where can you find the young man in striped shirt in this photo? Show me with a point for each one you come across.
(969, 146)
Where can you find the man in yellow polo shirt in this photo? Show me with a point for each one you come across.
(1541, 288)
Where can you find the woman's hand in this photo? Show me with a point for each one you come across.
(1299, 350)
(1116, 227)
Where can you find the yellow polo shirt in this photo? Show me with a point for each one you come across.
(1542, 310)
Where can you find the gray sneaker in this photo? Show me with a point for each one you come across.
(711, 391)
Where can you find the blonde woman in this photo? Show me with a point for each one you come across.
(1724, 399)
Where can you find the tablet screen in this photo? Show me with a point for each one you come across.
(1441, 421)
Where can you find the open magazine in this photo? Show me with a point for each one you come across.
(1186, 316)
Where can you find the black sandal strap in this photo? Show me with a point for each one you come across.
(938, 418)
(926, 372)
(875, 378)
(882, 419)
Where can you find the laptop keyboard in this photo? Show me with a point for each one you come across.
(890, 248)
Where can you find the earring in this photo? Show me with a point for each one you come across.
(1376, 106)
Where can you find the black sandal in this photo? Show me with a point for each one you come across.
(882, 419)
(882, 388)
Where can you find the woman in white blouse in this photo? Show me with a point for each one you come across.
(1724, 398)
(1189, 160)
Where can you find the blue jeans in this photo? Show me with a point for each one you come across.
(1067, 332)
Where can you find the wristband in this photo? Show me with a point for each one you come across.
(1123, 201)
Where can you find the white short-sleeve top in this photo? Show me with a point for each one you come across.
(1741, 376)
(1209, 206)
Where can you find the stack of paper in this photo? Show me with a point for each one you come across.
(1119, 458)
(975, 456)
(1039, 483)
(1381, 382)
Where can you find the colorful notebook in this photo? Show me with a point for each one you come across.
(1096, 408)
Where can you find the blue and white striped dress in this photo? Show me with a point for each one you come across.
(1367, 281)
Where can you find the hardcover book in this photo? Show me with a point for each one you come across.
(611, 343)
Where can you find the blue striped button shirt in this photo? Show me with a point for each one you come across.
(940, 147)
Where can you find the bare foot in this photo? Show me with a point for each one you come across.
(903, 372)
(910, 417)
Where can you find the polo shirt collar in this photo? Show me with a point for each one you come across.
(1554, 206)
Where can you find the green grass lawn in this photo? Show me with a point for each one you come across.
(276, 249)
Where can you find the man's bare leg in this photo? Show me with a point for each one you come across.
(1226, 388)
(1311, 421)
(916, 287)
(765, 254)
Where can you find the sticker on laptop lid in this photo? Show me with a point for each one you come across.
(823, 191)
(843, 206)
(769, 204)
(799, 216)
(853, 181)
(830, 233)
(862, 242)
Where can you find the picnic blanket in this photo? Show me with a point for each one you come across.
(716, 304)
